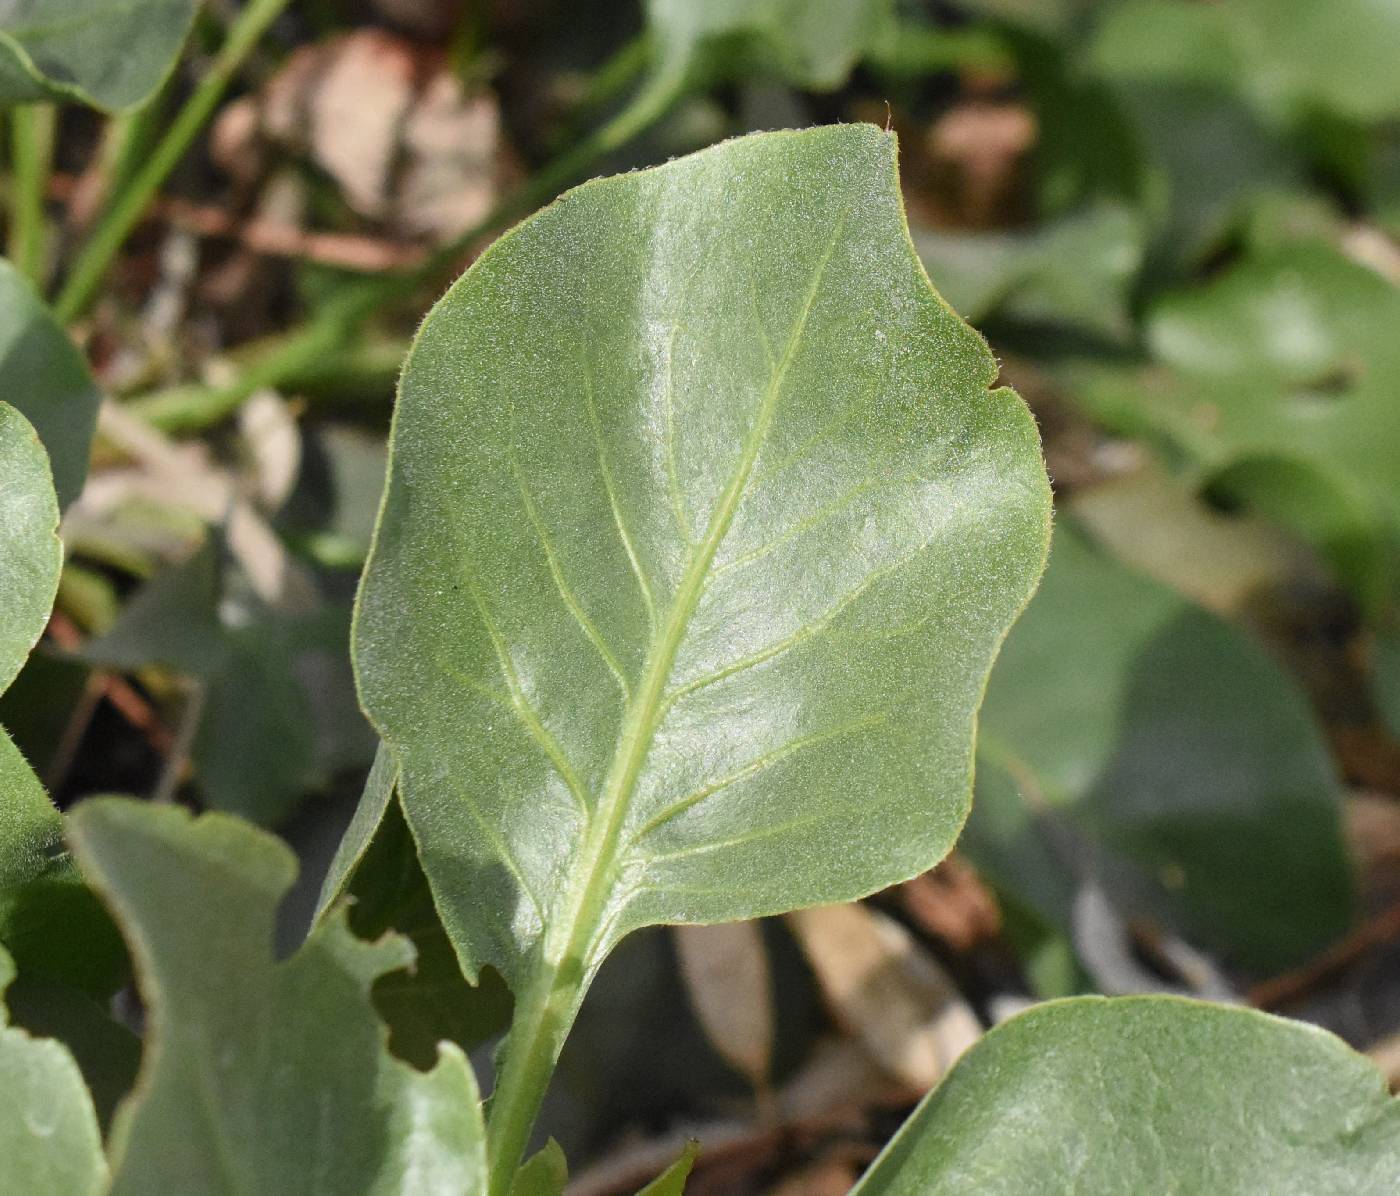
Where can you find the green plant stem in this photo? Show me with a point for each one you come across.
(334, 325)
(31, 150)
(134, 196)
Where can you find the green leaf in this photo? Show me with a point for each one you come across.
(47, 380)
(262, 740)
(1076, 271)
(1280, 376)
(543, 1174)
(1148, 1094)
(1125, 717)
(107, 1053)
(30, 552)
(261, 1050)
(801, 43)
(49, 1141)
(671, 1182)
(49, 923)
(355, 842)
(702, 529)
(1284, 56)
(112, 56)
(431, 1002)
(1386, 669)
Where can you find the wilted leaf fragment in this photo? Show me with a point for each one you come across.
(701, 532)
(112, 56)
(49, 1141)
(1149, 1094)
(262, 1076)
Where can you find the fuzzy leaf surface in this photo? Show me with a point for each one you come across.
(702, 529)
(1148, 1094)
(261, 1076)
(30, 552)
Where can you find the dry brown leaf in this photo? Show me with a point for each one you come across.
(725, 968)
(1373, 835)
(952, 903)
(886, 990)
(452, 144)
(826, 1177)
(387, 119)
(356, 110)
(978, 150)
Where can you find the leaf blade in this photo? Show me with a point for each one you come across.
(663, 410)
(257, 1049)
(1149, 1094)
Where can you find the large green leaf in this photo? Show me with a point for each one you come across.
(261, 1076)
(1148, 1094)
(1137, 738)
(1279, 378)
(702, 529)
(110, 55)
(47, 380)
(49, 1141)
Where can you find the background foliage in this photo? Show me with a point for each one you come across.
(1174, 222)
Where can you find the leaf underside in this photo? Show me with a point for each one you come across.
(701, 532)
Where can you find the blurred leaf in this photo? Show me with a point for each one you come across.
(1204, 154)
(1044, 17)
(1074, 271)
(112, 56)
(808, 45)
(1285, 56)
(560, 634)
(543, 1174)
(1283, 371)
(1148, 1094)
(278, 712)
(671, 1182)
(1156, 525)
(49, 1140)
(262, 1049)
(725, 968)
(1386, 665)
(107, 1053)
(1166, 757)
(46, 378)
(331, 513)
